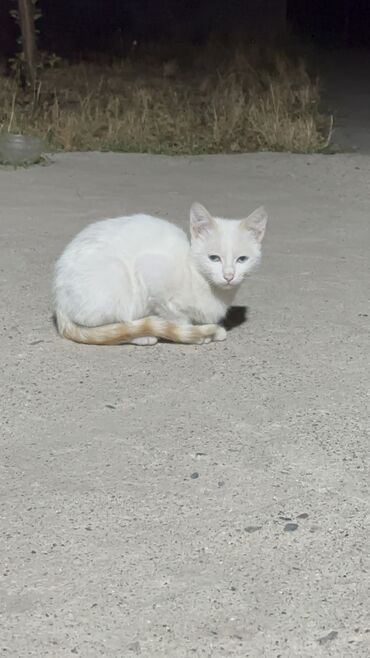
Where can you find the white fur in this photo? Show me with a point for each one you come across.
(126, 268)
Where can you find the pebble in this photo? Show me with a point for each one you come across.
(328, 638)
(290, 527)
(252, 528)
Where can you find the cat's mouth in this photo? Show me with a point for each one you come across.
(228, 285)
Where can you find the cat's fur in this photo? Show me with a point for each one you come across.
(136, 279)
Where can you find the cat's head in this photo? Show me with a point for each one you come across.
(226, 250)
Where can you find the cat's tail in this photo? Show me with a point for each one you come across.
(125, 332)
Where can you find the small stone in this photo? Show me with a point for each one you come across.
(110, 406)
(328, 638)
(302, 516)
(290, 527)
(252, 528)
(221, 483)
(194, 475)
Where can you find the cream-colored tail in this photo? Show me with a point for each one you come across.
(125, 332)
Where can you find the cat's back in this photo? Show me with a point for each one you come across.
(129, 234)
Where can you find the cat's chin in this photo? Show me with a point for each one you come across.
(221, 285)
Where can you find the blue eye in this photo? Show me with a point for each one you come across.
(214, 258)
(242, 259)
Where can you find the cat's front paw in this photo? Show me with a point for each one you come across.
(220, 334)
(145, 340)
(204, 340)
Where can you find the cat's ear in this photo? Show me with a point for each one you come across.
(201, 222)
(256, 223)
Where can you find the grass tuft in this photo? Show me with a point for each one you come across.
(204, 101)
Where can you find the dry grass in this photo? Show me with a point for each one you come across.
(194, 105)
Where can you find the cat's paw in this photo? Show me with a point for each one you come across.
(220, 334)
(145, 340)
(203, 341)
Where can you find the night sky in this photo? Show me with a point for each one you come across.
(98, 25)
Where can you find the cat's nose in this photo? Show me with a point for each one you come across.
(228, 276)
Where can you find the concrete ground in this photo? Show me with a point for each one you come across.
(179, 501)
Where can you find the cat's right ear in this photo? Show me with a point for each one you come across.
(201, 221)
(256, 223)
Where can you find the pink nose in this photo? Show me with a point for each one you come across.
(228, 276)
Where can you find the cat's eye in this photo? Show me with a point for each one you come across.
(242, 259)
(214, 258)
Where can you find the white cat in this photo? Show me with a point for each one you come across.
(136, 279)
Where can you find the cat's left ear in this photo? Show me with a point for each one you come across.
(201, 221)
(256, 223)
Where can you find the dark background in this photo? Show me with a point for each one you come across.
(76, 26)
(332, 22)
